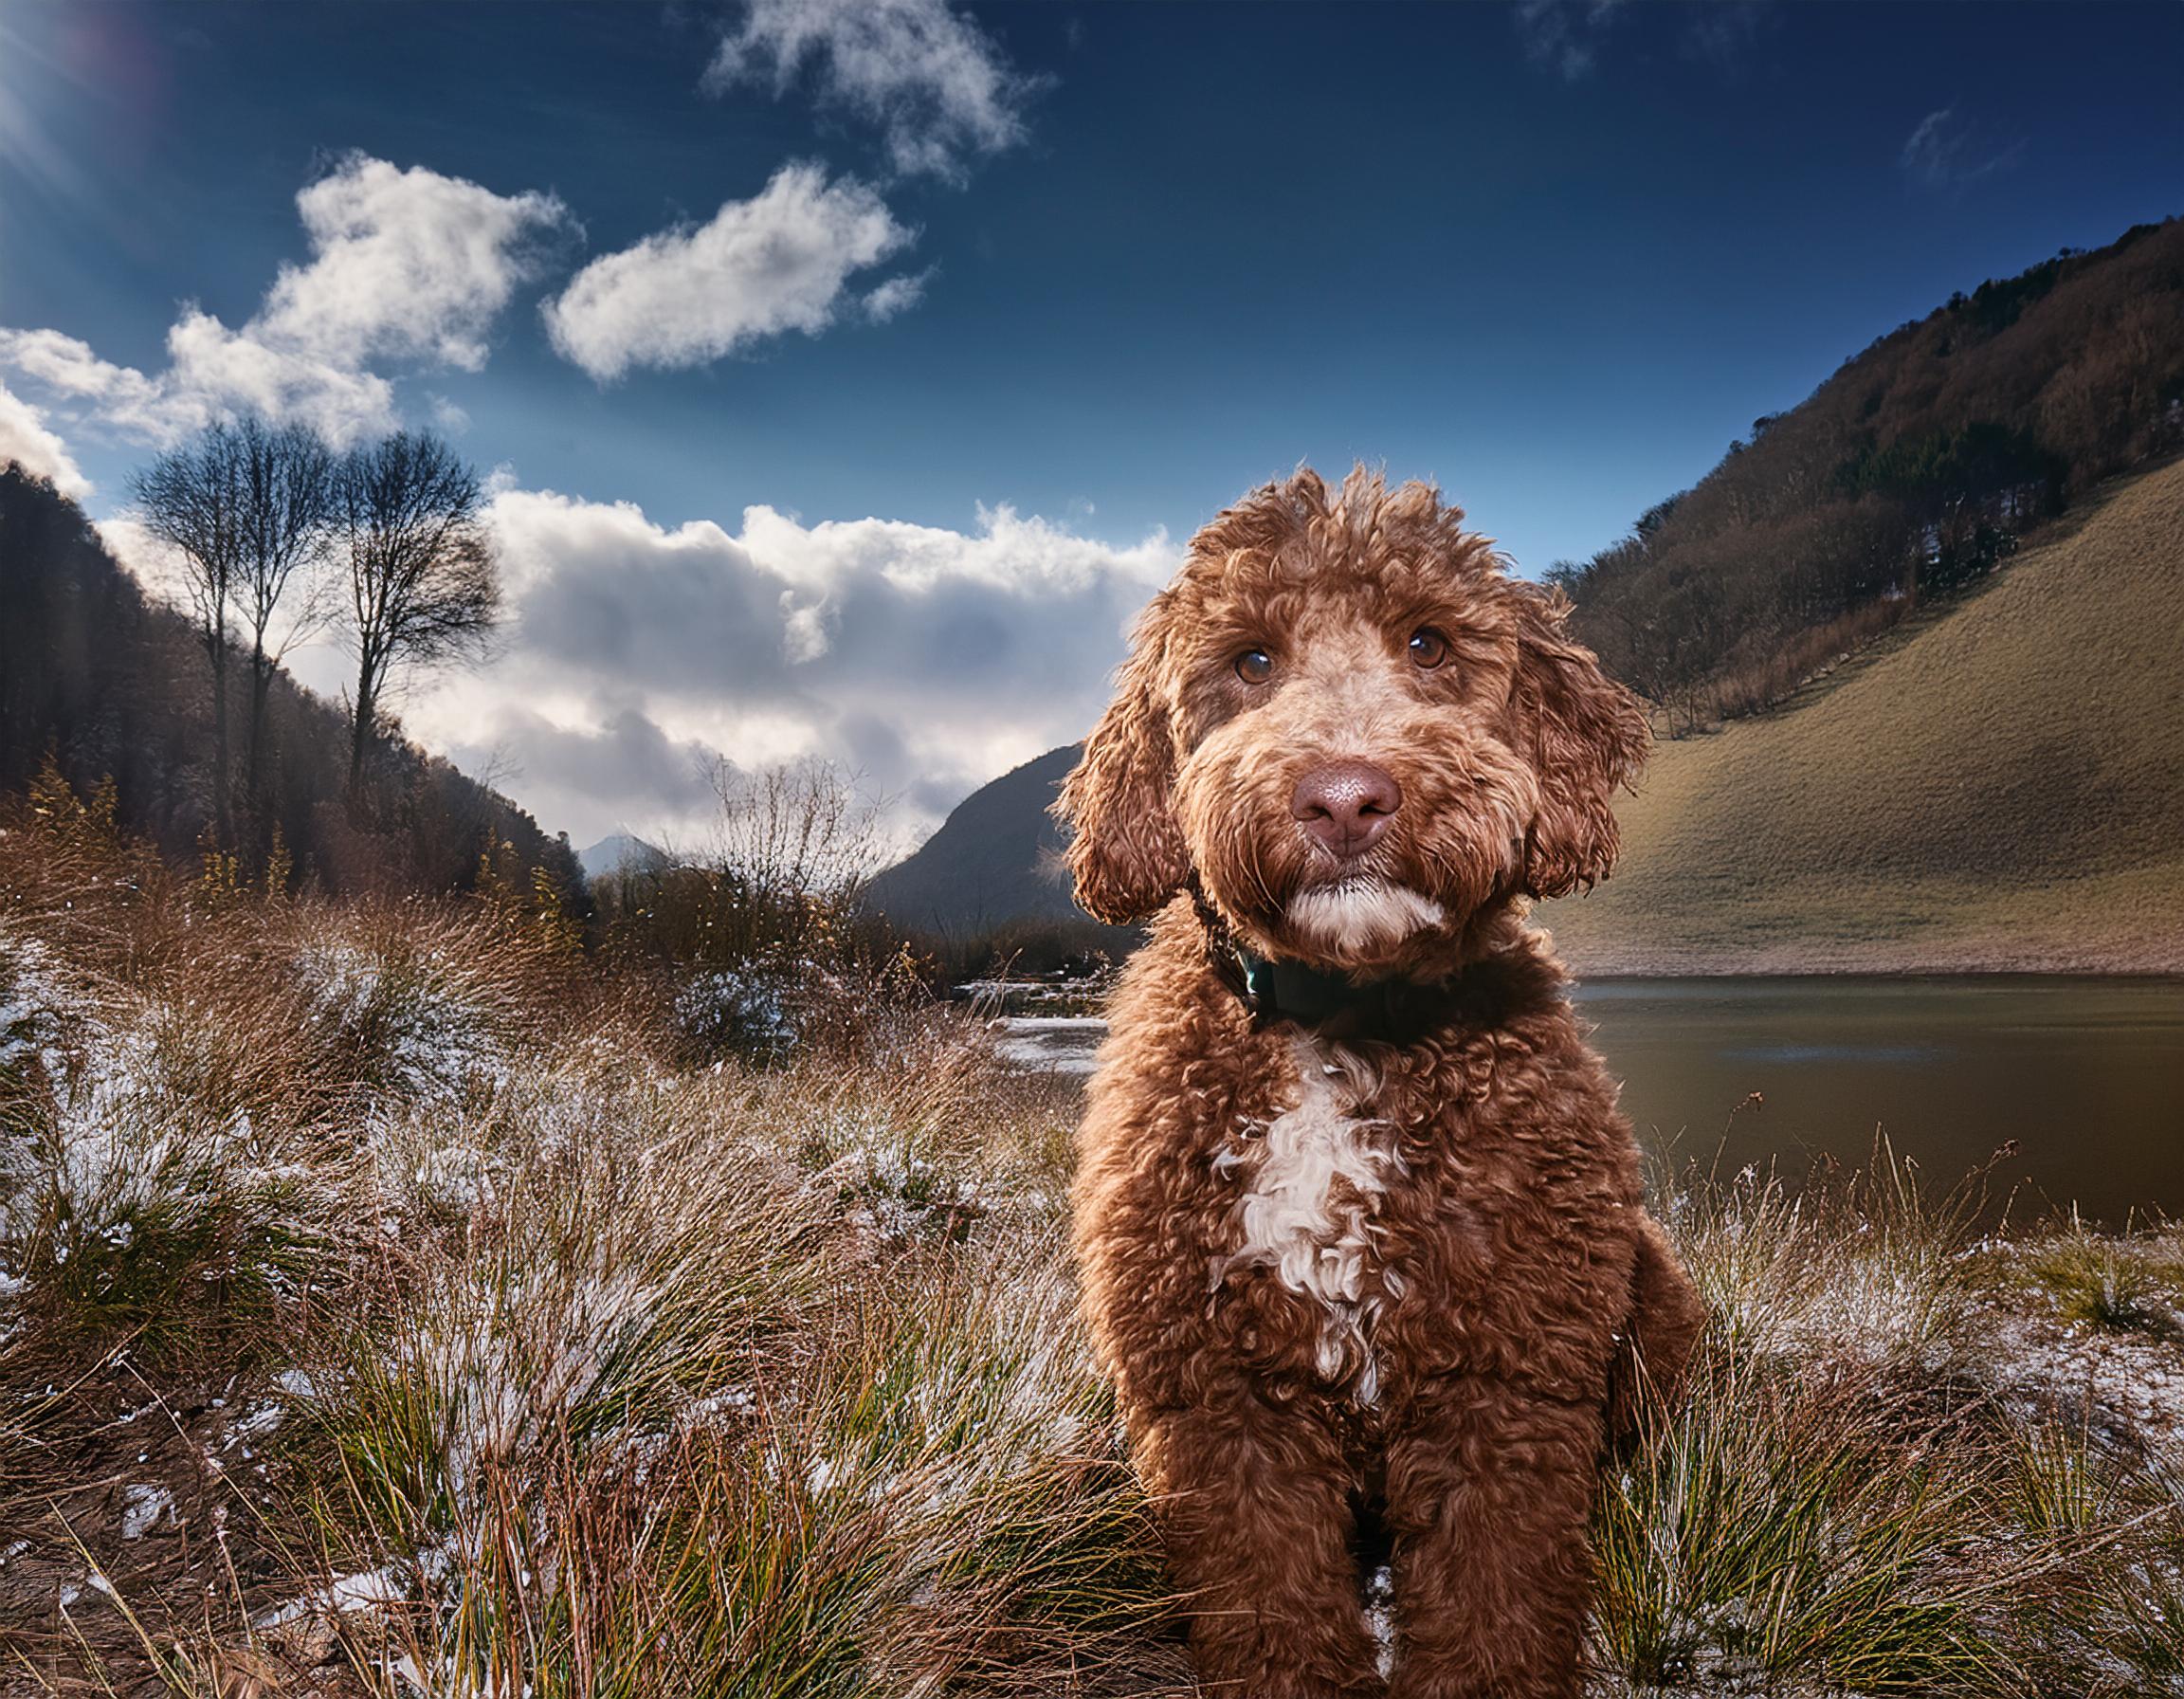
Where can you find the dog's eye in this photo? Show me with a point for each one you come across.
(1428, 647)
(1254, 666)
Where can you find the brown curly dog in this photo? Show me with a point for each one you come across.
(1360, 1229)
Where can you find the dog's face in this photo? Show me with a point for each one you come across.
(1358, 732)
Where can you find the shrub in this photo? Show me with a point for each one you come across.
(743, 1011)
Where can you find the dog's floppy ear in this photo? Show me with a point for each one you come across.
(1127, 854)
(1588, 736)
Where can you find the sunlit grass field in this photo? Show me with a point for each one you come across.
(397, 1303)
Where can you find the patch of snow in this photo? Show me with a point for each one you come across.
(120, 1144)
(296, 1384)
(363, 1591)
(894, 1193)
(504, 1366)
(431, 1040)
(261, 1420)
(2129, 1385)
(12, 1285)
(142, 1507)
(33, 1001)
(736, 1403)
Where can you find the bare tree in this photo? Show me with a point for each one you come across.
(803, 832)
(424, 586)
(192, 499)
(286, 477)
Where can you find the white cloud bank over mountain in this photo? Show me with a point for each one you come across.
(925, 659)
(25, 440)
(636, 656)
(406, 266)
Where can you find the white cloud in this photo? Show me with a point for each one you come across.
(926, 658)
(215, 370)
(406, 264)
(776, 263)
(119, 396)
(932, 82)
(212, 372)
(25, 440)
(1945, 153)
(1564, 35)
(897, 295)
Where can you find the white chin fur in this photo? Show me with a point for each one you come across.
(1361, 915)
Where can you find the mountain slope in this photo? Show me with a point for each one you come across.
(991, 862)
(111, 684)
(1914, 467)
(1999, 785)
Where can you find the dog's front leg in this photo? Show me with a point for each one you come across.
(1488, 1491)
(1257, 1504)
(1653, 1352)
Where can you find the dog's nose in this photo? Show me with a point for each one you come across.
(1346, 805)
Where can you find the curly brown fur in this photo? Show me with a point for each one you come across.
(1345, 1276)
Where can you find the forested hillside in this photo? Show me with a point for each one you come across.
(1911, 471)
(110, 684)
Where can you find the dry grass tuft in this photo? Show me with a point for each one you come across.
(2129, 1283)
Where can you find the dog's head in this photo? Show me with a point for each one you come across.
(1357, 731)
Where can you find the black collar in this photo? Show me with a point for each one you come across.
(1276, 990)
(1293, 991)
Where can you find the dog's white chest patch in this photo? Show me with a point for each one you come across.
(1315, 1178)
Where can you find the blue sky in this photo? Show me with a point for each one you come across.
(983, 309)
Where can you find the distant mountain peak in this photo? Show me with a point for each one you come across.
(618, 852)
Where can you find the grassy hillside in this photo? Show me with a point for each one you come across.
(1999, 783)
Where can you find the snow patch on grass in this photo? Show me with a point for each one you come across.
(144, 1505)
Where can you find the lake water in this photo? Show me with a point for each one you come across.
(2087, 1075)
